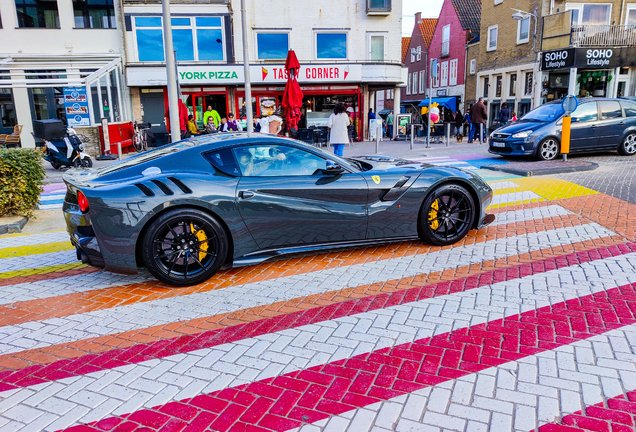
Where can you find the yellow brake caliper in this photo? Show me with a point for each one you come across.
(432, 215)
(201, 236)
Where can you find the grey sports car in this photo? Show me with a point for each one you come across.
(187, 209)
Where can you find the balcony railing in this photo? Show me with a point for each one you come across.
(445, 48)
(603, 35)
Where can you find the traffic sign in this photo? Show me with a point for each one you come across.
(569, 104)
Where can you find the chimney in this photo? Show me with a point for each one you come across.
(418, 18)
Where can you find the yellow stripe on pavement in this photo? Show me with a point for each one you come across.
(553, 189)
(508, 190)
(18, 251)
(41, 270)
(513, 203)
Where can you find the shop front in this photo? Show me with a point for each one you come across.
(222, 88)
(588, 72)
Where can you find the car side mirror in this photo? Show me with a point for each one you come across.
(334, 169)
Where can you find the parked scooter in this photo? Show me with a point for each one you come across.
(67, 151)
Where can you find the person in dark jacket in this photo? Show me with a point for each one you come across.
(459, 121)
(478, 116)
(504, 114)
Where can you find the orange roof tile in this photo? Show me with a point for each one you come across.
(427, 28)
(405, 47)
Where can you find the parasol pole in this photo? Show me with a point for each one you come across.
(246, 65)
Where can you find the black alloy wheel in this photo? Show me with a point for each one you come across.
(184, 247)
(447, 215)
(548, 149)
(628, 146)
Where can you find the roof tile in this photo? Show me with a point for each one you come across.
(405, 47)
(427, 28)
(469, 14)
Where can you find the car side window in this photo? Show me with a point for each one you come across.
(277, 160)
(586, 112)
(223, 161)
(630, 108)
(610, 109)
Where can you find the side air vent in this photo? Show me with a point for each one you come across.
(145, 189)
(165, 189)
(180, 185)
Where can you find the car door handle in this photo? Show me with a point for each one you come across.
(593, 126)
(246, 194)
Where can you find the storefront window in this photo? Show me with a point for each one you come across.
(594, 83)
(513, 85)
(486, 86)
(498, 86)
(7, 108)
(94, 14)
(47, 103)
(114, 96)
(272, 45)
(37, 13)
(331, 45)
(528, 83)
(95, 100)
(199, 38)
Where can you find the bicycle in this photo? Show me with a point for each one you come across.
(140, 137)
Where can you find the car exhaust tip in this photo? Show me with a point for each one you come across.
(82, 256)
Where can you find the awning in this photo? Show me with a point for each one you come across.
(448, 102)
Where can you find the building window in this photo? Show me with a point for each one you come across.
(452, 73)
(498, 82)
(418, 52)
(486, 85)
(590, 13)
(37, 13)
(94, 14)
(408, 84)
(436, 73)
(473, 66)
(422, 81)
(492, 38)
(444, 75)
(272, 45)
(446, 40)
(377, 46)
(513, 85)
(7, 109)
(196, 38)
(331, 45)
(527, 89)
(630, 16)
(378, 5)
(523, 30)
(414, 84)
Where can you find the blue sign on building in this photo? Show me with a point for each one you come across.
(76, 106)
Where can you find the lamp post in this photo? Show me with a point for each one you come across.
(171, 72)
(246, 65)
(520, 15)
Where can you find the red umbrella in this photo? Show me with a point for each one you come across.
(293, 97)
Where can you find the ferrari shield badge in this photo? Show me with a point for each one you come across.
(376, 179)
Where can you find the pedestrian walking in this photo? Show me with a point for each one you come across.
(478, 116)
(504, 114)
(467, 122)
(338, 124)
(459, 121)
(389, 124)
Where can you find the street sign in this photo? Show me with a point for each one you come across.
(569, 104)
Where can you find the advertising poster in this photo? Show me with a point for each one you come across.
(76, 106)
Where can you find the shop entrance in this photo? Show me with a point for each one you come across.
(198, 102)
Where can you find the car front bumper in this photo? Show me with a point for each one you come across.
(513, 147)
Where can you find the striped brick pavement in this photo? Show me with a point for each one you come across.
(525, 325)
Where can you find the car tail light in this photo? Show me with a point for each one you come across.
(82, 201)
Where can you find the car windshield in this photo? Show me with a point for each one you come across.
(544, 113)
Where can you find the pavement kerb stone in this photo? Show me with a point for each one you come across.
(13, 227)
(529, 169)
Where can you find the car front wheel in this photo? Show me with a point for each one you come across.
(184, 247)
(628, 146)
(447, 215)
(548, 149)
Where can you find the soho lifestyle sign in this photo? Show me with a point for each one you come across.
(588, 58)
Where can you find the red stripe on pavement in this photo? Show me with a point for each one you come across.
(306, 396)
(37, 374)
(617, 414)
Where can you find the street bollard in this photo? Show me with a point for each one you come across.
(448, 126)
(377, 141)
(412, 135)
(481, 133)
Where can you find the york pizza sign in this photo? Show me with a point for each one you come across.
(268, 74)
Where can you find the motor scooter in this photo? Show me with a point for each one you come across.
(67, 151)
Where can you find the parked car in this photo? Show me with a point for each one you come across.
(597, 124)
(187, 209)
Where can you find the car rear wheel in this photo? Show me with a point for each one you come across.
(548, 149)
(447, 215)
(628, 146)
(184, 247)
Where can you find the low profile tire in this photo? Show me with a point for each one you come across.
(446, 215)
(548, 149)
(184, 247)
(628, 146)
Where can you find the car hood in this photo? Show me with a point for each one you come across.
(520, 126)
(387, 163)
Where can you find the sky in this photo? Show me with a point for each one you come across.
(429, 9)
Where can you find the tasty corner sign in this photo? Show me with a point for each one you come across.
(267, 74)
(588, 58)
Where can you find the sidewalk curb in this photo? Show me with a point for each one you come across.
(15, 227)
(528, 171)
